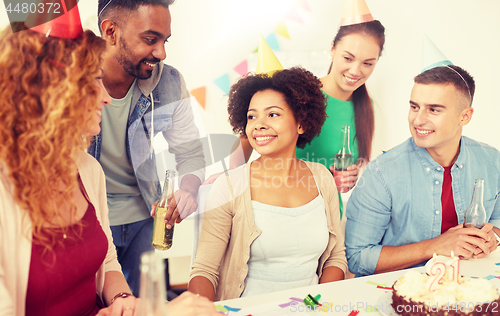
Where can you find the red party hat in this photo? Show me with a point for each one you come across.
(355, 11)
(63, 21)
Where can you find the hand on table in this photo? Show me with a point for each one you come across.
(466, 242)
(491, 243)
(127, 306)
(345, 180)
(189, 304)
(182, 205)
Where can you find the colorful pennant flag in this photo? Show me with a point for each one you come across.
(223, 83)
(272, 41)
(201, 95)
(282, 30)
(242, 68)
(294, 16)
(304, 5)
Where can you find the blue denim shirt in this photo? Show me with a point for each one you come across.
(397, 201)
(173, 117)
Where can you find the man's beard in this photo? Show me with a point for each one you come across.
(124, 59)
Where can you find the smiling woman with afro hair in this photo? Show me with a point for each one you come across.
(302, 94)
(273, 223)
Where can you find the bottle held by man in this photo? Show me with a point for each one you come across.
(162, 236)
(475, 215)
(343, 158)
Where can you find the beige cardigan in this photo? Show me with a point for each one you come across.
(228, 230)
(15, 247)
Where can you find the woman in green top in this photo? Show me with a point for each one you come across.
(355, 52)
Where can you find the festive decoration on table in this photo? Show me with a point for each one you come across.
(272, 41)
(376, 284)
(200, 95)
(221, 308)
(355, 12)
(63, 23)
(266, 60)
(223, 83)
(438, 270)
(432, 56)
(282, 30)
(370, 309)
(232, 309)
(312, 301)
(242, 68)
(453, 267)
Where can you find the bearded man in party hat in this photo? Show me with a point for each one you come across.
(414, 197)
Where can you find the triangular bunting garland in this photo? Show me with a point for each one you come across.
(242, 68)
(294, 16)
(282, 30)
(304, 5)
(223, 83)
(200, 94)
(272, 41)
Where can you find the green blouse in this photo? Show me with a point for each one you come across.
(323, 147)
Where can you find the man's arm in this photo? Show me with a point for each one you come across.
(464, 242)
(369, 216)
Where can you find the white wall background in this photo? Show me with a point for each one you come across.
(210, 37)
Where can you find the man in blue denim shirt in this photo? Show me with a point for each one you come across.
(148, 97)
(395, 214)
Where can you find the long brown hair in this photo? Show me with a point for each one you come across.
(364, 118)
(47, 89)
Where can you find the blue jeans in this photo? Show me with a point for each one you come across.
(131, 240)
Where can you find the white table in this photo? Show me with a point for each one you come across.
(362, 294)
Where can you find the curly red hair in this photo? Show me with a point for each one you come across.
(47, 87)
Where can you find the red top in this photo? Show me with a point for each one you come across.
(62, 282)
(447, 204)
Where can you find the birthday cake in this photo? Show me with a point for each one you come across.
(418, 294)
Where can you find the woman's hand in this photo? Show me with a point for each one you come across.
(189, 304)
(127, 306)
(345, 180)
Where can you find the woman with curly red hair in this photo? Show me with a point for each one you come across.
(57, 255)
(273, 223)
(56, 250)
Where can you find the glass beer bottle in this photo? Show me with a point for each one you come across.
(343, 158)
(475, 215)
(162, 236)
(152, 289)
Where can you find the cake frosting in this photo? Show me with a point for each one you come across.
(469, 296)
